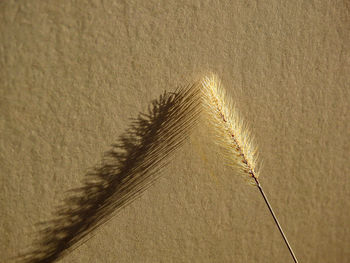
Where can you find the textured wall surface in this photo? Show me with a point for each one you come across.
(73, 73)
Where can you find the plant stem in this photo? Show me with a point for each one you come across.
(276, 221)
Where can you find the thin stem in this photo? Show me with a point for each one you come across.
(276, 221)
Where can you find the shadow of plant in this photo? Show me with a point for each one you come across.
(127, 170)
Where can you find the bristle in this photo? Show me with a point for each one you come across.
(230, 132)
(233, 137)
(133, 164)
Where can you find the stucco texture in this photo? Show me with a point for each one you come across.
(73, 73)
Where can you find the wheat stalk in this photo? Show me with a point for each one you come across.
(233, 138)
(133, 164)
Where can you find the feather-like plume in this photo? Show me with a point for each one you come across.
(134, 163)
(233, 138)
(229, 131)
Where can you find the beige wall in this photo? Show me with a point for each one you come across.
(74, 72)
